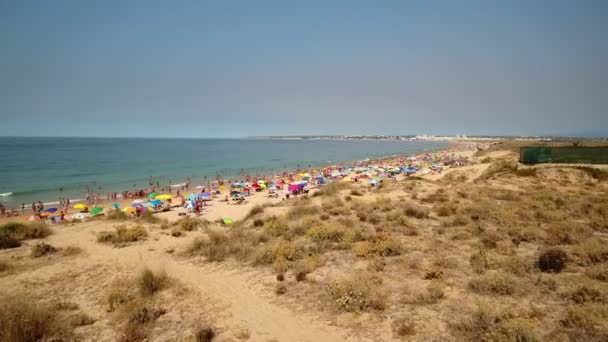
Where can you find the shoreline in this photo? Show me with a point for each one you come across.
(455, 147)
(123, 185)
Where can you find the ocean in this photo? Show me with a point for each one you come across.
(37, 168)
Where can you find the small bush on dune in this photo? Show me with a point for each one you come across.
(378, 246)
(144, 314)
(591, 251)
(189, 224)
(116, 215)
(283, 250)
(299, 212)
(598, 272)
(587, 293)
(357, 292)
(275, 227)
(122, 235)
(356, 192)
(431, 295)
(416, 211)
(255, 210)
(404, 327)
(81, 319)
(205, 334)
(218, 245)
(331, 189)
(13, 232)
(41, 249)
(149, 282)
(148, 216)
(552, 260)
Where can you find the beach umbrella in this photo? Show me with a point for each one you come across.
(261, 182)
(50, 210)
(164, 197)
(129, 210)
(263, 186)
(81, 216)
(136, 205)
(156, 202)
(115, 205)
(152, 195)
(148, 204)
(46, 214)
(227, 220)
(96, 210)
(200, 187)
(79, 206)
(138, 201)
(192, 196)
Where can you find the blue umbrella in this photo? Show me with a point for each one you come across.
(192, 196)
(115, 205)
(156, 202)
(50, 210)
(204, 194)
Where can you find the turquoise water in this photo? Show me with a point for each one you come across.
(36, 168)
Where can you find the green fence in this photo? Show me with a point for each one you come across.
(569, 154)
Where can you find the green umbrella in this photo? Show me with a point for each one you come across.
(96, 210)
(152, 195)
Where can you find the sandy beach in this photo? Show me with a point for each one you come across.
(410, 250)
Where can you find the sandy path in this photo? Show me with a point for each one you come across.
(239, 291)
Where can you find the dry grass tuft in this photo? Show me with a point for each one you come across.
(205, 334)
(189, 224)
(21, 320)
(42, 249)
(150, 283)
(218, 246)
(494, 283)
(12, 233)
(81, 319)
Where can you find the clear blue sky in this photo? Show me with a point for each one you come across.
(240, 68)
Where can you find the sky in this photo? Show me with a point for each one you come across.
(256, 68)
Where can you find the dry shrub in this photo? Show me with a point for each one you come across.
(71, 250)
(491, 238)
(255, 210)
(4, 266)
(144, 314)
(176, 232)
(148, 217)
(591, 251)
(587, 292)
(81, 319)
(63, 306)
(218, 245)
(357, 292)
(189, 224)
(376, 264)
(586, 319)
(563, 233)
(283, 250)
(302, 211)
(378, 246)
(598, 272)
(331, 189)
(22, 320)
(41, 249)
(356, 192)
(205, 334)
(122, 235)
(275, 227)
(280, 289)
(258, 222)
(149, 282)
(431, 295)
(499, 283)
(445, 209)
(13, 232)
(116, 215)
(480, 261)
(404, 326)
(487, 325)
(552, 260)
(517, 265)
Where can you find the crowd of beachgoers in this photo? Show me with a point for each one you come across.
(236, 191)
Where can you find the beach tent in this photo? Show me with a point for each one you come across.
(96, 210)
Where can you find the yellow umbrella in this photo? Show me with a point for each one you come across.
(46, 214)
(129, 210)
(79, 206)
(163, 197)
